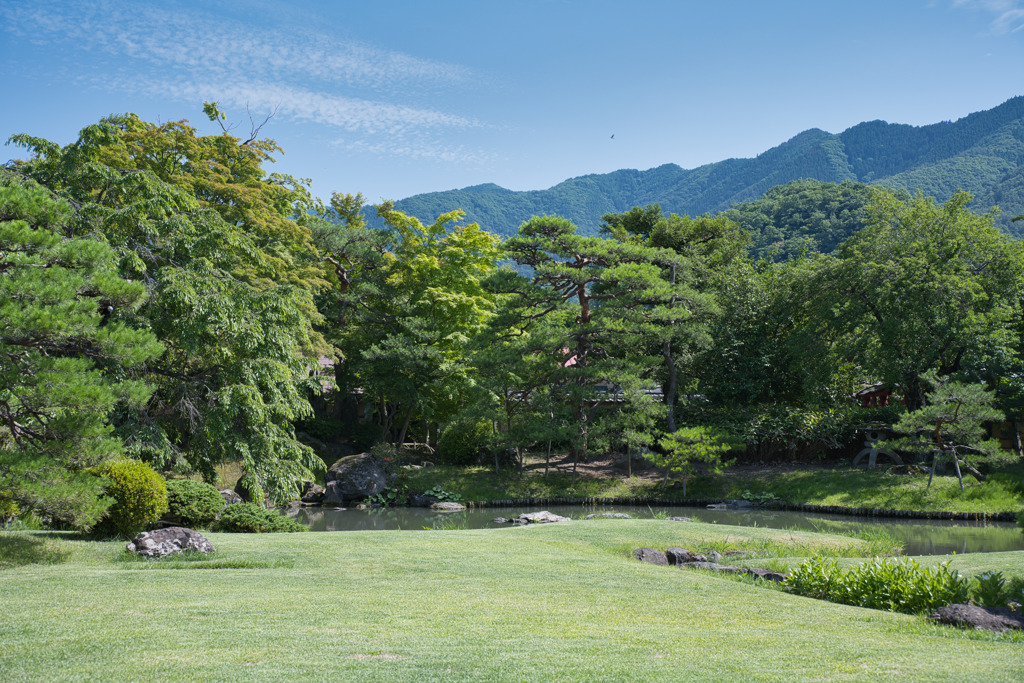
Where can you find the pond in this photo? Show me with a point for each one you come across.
(919, 536)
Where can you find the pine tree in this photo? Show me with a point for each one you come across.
(65, 356)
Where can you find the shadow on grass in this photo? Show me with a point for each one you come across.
(20, 549)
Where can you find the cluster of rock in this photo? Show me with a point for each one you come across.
(684, 559)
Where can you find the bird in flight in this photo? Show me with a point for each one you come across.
(613, 136)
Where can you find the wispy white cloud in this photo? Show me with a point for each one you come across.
(1008, 15)
(303, 75)
(160, 35)
(349, 113)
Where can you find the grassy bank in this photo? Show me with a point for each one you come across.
(811, 485)
(555, 602)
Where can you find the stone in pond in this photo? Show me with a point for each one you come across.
(608, 515)
(542, 517)
(354, 477)
(448, 507)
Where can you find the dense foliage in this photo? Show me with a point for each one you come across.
(139, 494)
(896, 585)
(62, 322)
(192, 503)
(230, 273)
(168, 299)
(250, 518)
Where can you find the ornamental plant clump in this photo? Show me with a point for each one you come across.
(250, 518)
(139, 493)
(883, 583)
(192, 503)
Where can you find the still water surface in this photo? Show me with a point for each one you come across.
(919, 536)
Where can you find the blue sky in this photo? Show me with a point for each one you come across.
(394, 98)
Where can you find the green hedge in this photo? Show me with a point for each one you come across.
(139, 493)
(250, 518)
(192, 503)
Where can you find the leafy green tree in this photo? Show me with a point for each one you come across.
(62, 312)
(223, 249)
(924, 286)
(952, 423)
(412, 297)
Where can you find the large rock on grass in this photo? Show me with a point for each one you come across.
(169, 541)
(984, 618)
(353, 477)
(651, 556)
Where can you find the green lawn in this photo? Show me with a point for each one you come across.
(546, 603)
(842, 485)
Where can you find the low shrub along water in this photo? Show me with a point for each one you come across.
(895, 585)
(251, 518)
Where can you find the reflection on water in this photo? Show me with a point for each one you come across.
(919, 536)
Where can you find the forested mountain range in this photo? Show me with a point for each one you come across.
(982, 153)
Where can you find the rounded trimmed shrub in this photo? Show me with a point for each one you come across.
(192, 503)
(461, 442)
(250, 518)
(139, 493)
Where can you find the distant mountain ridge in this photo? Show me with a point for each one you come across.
(982, 153)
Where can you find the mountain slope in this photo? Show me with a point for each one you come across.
(982, 153)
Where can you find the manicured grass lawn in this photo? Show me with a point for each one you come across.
(878, 488)
(547, 603)
(841, 485)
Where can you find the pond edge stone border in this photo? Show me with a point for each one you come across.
(775, 505)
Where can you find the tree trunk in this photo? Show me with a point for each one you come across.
(405, 427)
(671, 388)
(913, 392)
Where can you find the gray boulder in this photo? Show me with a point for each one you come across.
(230, 497)
(608, 515)
(313, 494)
(756, 572)
(174, 539)
(766, 574)
(353, 477)
(740, 504)
(542, 517)
(985, 618)
(651, 556)
(448, 506)
(677, 556)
